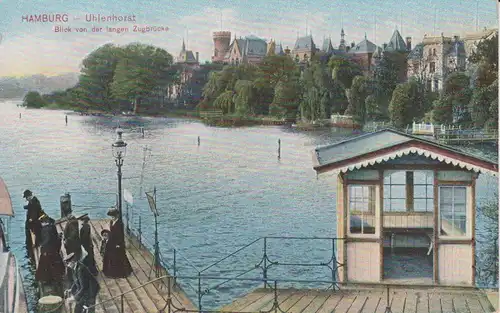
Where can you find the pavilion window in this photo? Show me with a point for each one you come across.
(423, 191)
(395, 192)
(362, 209)
(453, 210)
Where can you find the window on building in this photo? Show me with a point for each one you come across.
(423, 191)
(395, 192)
(361, 209)
(436, 84)
(306, 58)
(409, 191)
(432, 67)
(237, 61)
(452, 210)
(434, 52)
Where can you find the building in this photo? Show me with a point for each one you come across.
(274, 49)
(435, 58)
(362, 54)
(183, 91)
(304, 49)
(248, 50)
(222, 40)
(472, 39)
(396, 191)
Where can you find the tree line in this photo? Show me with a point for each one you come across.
(125, 78)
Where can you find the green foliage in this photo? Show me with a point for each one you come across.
(489, 239)
(33, 99)
(286, 98)
(361, 88)
(225, 102)
(386, 76)
(487, 53)
(403, 102)
(244, 97)
(344, 70)
(482, 103)
(374, 111)
(442, 112)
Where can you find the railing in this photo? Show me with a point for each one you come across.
(170, 282)
(263, 264)
(211, 114)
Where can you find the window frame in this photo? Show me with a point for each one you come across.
(468, 207)
(375, 212)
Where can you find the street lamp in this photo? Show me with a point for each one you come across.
(119, 151)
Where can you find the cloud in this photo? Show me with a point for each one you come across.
(41, 50)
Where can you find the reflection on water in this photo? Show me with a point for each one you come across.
(212, 198)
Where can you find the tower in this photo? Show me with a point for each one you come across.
(342, 45)
(222, 40)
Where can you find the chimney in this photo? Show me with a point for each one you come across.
(197, 57)
(408, 43)
(456, 37)
(352, 44)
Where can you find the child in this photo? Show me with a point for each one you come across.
(104, 235)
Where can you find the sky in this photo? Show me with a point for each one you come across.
(34, 48)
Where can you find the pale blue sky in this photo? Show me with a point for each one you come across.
(35, 48)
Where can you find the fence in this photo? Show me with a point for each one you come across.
(211, 114)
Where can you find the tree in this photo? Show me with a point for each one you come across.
(456, 87)
(97, 73)
(276, 68)
(361, 88)
(140, 69)
(244, 97)
(402, 104)
(225, 102)
(286, 98)
(344, 70)
(442, 112)
(486, 52)
(339, 101)
(482, 104)
(33, 99)
(374, 111)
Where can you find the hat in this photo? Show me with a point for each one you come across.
(104, 231)
(27, 193)
(84, 217)
(113, 212)
(69, 257)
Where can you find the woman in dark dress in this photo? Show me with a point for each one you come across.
(115, 261)
(50, 265)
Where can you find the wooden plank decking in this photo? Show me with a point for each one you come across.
(372, 300)
(151, 298)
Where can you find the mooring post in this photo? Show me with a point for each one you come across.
(142, 131)
(140, 231)
(19, 115)
(264, 271)
(66, 118)
(198, 141)
(279, 149)
(175, 267)
(199, 291)
(128, 222)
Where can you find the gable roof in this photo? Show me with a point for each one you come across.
(279, 50)
(417, 52)
(365, 46)
(387, 144)
(304, 43)
(248, 46)
(457, 49)
(396, 43)
(327, 45)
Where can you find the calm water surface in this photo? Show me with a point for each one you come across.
(212, 198)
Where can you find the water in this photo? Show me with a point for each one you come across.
(212, 198)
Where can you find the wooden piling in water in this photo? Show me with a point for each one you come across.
(198, 141)
(279, 149)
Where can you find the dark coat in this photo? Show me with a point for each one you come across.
(85, 285)
(115, 261)
(86, 241)
(50, 265)
(33, 213)
(72, 237)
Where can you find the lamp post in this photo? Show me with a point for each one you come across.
(119, 151)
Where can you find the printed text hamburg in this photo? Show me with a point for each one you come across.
(63, 18)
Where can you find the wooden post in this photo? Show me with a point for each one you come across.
(436, 229)
(198, 141)
(279, 149)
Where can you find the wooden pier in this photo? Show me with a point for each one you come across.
(152, 297)
(364, 300)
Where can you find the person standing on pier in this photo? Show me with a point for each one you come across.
(86, 241)
(33, 213)
(50, 265)
(72, 236)
(85, 286)
(115, 261)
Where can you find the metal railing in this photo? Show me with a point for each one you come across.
(170, 307)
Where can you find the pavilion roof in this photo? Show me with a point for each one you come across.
(388, 144)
